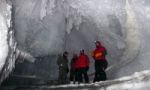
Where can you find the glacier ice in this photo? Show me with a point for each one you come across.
(48, 27)
(73, 25)
(7, 42)
(3, 47)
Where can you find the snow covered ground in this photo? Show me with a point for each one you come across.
(137, 81)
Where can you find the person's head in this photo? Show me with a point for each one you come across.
(97, 43)
(65, 54)
(75, 55)
(82, 51)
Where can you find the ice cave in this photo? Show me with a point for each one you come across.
(33, 33)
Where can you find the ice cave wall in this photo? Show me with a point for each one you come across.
(7, 41)
(52, 26)
(141, 62)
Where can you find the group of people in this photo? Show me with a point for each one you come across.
(79, 66)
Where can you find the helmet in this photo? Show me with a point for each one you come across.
(81, 50)
(65, 53)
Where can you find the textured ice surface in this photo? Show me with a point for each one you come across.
(3, 39)
(7, 42)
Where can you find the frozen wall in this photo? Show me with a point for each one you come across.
(7, 44)
(4, 46)
(52, 26)
(141, 62)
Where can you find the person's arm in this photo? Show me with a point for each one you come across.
(67, 66)
(88, 63)
(59, 60)
(92, 54)
(105, 51)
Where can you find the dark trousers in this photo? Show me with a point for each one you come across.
(62, 76)
(100, 66)
(82, 72)
(73, 75)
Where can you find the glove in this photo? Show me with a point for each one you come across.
(67, 70)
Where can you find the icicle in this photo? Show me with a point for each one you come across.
(8, 15)
(51, 6)
(69, 24)
(47, 7)
(133, 32)
(43, 9)
(73, 19)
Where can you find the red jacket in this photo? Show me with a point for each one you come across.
(73, 63)
(83, 61)
(99, 53)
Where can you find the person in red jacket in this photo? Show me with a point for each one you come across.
(73, 71)
(100, 62)
(82, 66)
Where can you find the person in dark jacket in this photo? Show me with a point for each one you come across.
(62, 63)
(82, 66)
(73, 71)
(99, 55)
